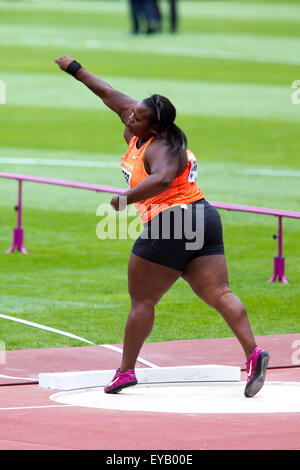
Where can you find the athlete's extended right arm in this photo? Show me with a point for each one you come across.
(113, 99)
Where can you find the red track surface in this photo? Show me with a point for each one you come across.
(29, 420)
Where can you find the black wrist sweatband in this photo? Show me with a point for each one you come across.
(73, 67)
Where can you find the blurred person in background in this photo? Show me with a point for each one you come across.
(146, 16)
(173, 16)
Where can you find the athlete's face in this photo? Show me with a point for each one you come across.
(139, 121)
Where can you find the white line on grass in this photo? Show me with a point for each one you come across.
(174, 50)
(266, 172)
(53, 162)
(70, 335)
(42, 327)
(261, 11)
(213, 98)
(224, 46)
(95, 164)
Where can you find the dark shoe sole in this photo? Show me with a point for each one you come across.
(258, 379)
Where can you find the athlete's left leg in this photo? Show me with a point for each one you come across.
(147, 283)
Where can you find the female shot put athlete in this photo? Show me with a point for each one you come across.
(161, 174)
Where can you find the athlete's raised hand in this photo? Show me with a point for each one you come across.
(64, 62)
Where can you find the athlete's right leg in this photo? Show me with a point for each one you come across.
(147, 283)
(208, 277)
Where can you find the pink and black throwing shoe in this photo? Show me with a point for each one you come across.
(121, 380)
(256, 370)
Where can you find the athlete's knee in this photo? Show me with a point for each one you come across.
(141, 315)
(144, 303)
(141, 298)
(229, 302)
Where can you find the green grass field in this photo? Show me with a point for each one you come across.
(229, 71)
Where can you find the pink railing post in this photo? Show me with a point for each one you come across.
(18, 235)
(279, 260)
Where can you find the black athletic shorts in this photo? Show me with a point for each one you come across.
(180, 234)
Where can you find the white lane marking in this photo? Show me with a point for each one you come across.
(38, 40)
(55, 162)
(18, 378)
(46, 328)
(34, 407)
(266, 172)
(95, 164)
(139, 359)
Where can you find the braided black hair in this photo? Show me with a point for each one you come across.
(163, 114)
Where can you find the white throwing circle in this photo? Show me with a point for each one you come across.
(274, 397)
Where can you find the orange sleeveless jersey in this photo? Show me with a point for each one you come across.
(183, 190)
